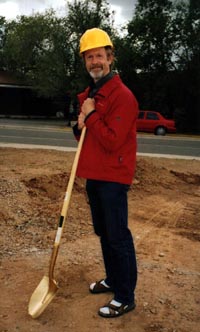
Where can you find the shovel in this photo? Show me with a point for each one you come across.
(47, 288)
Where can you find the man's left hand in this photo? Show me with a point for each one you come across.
(88, 106)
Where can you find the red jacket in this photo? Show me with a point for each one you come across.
(109, 148)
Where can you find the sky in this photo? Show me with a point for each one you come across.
(11, 8)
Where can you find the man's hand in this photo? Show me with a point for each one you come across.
(88, 106)
(81, 119)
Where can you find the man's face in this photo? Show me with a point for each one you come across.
(97, 62)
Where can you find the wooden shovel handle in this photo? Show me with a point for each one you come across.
(66, 204)
(72, 175)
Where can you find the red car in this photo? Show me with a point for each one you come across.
(154, 122)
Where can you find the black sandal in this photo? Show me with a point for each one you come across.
(100, 288)
(116, 311)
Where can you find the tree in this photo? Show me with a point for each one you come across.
(186, 29)
(165, 38)
(126, 61)
(36, 49)
(44, 49)
(151, 42)
(150, 35)
(2, 39)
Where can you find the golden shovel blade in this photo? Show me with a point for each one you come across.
(42, 296)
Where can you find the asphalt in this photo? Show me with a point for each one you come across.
(61, 123)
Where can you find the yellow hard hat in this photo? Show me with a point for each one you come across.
(93, 38)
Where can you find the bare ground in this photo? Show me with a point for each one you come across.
(164, 217)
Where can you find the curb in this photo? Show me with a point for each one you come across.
(71, 149)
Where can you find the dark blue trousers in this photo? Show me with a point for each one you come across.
(108, 203)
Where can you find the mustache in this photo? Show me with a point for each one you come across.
(96, 67)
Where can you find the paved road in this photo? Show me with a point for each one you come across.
(56, 134)
(170, 145)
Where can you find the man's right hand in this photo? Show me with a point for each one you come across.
(81, 119)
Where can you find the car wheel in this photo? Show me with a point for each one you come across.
(160, 131)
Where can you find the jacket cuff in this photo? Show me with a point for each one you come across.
(87, 116)
(76, 131)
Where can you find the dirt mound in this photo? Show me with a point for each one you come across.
(164, 214)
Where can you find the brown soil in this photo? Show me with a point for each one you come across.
(164, 217)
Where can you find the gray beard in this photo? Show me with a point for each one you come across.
(96, 76)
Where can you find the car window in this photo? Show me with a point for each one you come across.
(141, 115)
(152, 116)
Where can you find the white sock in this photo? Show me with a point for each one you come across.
(102, 282)
(106, 310)
(116, 303)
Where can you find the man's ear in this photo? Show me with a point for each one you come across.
(110, 58)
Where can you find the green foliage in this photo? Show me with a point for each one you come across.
(2, 38)
(36, 49)
(83, 15)
(44, 49)
(150, 35)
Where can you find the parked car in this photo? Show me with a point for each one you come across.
(154, 122)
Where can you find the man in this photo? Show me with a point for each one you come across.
(109, 110)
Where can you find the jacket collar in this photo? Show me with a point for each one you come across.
(94, 87)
